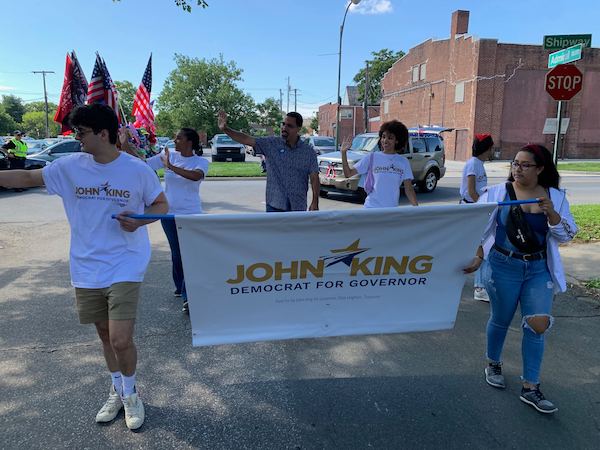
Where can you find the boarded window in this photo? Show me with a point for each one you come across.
(386, 106)
(415, 74)
(423, 71)
(345, 113)
(459, 92)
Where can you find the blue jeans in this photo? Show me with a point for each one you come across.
(273, 209)
(482, 274)
(171, 232)
(528, 283)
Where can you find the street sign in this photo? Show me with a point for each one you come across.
(560, 41)
(551, 124)
(565, 56)
(564, 81)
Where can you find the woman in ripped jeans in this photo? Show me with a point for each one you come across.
(529, 279)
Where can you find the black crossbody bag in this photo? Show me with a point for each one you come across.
(518, 231)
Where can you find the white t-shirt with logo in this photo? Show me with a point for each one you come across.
(389, 172)
(101, 252)
(183, 194)
(473, 166)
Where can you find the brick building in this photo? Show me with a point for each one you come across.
(479, 85)
(352, 117)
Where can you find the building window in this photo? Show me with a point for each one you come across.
(459, 92)
(415, 74)
(345, 113)
(423, 71)
(386, 106)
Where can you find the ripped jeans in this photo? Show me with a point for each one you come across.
(529, 284)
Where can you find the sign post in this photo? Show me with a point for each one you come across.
(562, 83)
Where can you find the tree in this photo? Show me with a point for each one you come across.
(378, 66)
(34, 124)
(14, 107)
(126, 92)
(165, 126)
(197, 89)
(314, 122)
(185, 4)
(7, 123)
(41, 106)
(268, 114)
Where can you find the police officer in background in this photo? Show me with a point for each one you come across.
(17, 151)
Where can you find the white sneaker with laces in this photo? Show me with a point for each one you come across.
(111, 408)
(134, 411)
(481, 294)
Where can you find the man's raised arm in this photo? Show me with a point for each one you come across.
(21, 178)
(238, 136)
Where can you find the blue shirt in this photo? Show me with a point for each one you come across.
(538, 223)
(288, 171)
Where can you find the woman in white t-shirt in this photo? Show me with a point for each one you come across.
(184, 171)
(472, 186)
(387, 168)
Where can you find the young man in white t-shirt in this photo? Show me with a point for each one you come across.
(108, 257)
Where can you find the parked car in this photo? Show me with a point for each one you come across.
(35, 146)
(58, 150)
(322, 144)
(425, 153)
(223, 148)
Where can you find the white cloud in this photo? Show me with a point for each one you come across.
(372, 7)
(6, 88)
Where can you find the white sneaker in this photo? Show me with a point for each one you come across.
(111, 408)
(481, 294)
(134, 411)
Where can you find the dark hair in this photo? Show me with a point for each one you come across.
(98, 117)
(482, 143)
(542, 157)
(192, 135)
(296, 116)
(399, 130)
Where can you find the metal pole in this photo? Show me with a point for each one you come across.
(366, 98)
(339, 99)
(557, 143)
(288, 96)
(280, 100)
(44, 72)
(295, 99)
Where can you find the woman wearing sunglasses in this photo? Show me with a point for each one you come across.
(521, 245)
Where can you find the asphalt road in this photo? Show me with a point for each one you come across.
(422, 390)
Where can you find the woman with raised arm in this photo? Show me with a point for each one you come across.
(521, 243)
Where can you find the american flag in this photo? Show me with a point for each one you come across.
(142, 107)
(101, 88)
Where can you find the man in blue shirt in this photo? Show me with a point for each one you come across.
(291, 163)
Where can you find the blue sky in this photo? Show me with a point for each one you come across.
(269, 39)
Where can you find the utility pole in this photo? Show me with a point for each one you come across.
(44, 72)
(280, 100)
(288, 96)
(295, 99)
(366, 98)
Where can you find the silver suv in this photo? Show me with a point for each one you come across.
(425, 154)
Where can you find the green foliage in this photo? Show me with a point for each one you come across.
(165, 126)
(593, 283)
(186, 4)
(126, 92)
(314, 122)
(41, 106)
(197, 89)
(234, 169)
(34, 124)
(378, 66)
(7, 123)
(587, 218)
(580, 167)
(269, 115)
(14, 107)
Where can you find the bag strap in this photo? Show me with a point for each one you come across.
(511, 191)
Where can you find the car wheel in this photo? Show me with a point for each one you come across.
(430, 181)
(214, 158)
(323, 193)
(243, 158)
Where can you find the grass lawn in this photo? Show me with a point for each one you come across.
(587, 218)
(580, 167)
(230, 169)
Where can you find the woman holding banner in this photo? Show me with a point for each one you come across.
(184, 171)
(473, 184)
(386, 170)
(521, 243)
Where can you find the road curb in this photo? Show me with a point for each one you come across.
(234, 178)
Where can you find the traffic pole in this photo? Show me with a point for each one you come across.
(557, 143)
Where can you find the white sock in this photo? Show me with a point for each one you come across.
(128, 385)
(117, 381)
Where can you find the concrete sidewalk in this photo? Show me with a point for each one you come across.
(500, 169)
(581, 262)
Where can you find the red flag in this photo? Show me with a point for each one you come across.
(65, 105)
(142, 107)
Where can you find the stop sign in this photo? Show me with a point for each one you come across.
(564, 81)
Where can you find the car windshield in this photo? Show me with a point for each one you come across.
(324, 142)
(225, 140)
(364, 143)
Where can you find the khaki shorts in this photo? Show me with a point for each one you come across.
(116, 302)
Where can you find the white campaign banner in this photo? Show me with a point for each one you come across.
(267, 276)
